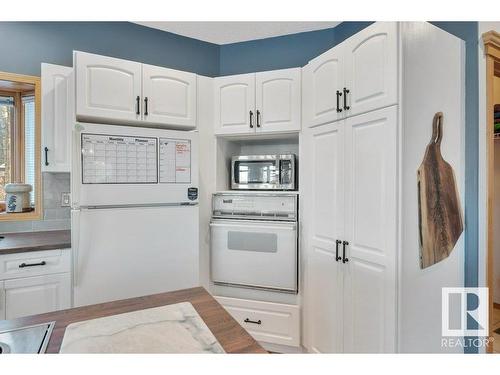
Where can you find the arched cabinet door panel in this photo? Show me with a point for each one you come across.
(371, 68)
(323, 81)
(170, 95)
(234, 104)
(277, 100)
(107, 88)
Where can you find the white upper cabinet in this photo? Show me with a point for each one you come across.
(371, 68)
(234, 100)
(107, 89)
(57, 117)
(265, 102)
(357, 76)
(117, 91)
(277, 100)
(323, 82)
(169, 96)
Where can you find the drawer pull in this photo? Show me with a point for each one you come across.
(23, 265)
(253, 321)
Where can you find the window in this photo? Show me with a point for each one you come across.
(7, 123)
(29, 143)
(20, 141)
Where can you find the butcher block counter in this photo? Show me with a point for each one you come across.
(11, 243)
(230, 335)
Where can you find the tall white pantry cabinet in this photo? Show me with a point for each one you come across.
(368, 105)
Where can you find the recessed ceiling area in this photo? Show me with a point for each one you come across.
(233, 32)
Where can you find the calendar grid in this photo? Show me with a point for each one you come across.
(114, 159)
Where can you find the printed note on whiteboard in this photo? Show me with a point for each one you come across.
(175, 161)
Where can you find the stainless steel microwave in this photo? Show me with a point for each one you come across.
(263, 172)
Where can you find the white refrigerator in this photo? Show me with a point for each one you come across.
(134, 219)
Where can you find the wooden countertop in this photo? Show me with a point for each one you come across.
(34, 241)
(232, 336)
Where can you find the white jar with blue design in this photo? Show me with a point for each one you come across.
(18, 197)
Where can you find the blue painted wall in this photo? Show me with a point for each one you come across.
(26, 44)
(282, 52)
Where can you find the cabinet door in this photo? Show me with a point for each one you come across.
(2, 301)
(371, 230)
(57, 117)
(277, 100)
(325, 202)
(170, 95)
(107, 89)
(37, 295)
(371, 68)
(322, 81)
(234, 104)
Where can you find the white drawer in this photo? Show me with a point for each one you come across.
(274, 323)
(34, 263)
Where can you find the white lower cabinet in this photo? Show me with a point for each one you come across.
(267, 322)
(2, 301)
(34, 283)
(351, 236)
(37, 295)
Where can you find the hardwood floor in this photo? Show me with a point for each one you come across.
(495, 320)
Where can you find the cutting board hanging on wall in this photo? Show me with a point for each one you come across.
(439, 210)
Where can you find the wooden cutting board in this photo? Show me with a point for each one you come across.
(440, 214)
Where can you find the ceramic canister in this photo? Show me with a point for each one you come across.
(18, 197)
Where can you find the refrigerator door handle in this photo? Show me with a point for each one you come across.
(75, 243)
(143, 205)
(76, 173)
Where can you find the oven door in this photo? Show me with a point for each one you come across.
(255, 172)
(256, 254)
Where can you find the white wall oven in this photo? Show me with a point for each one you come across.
(254, 241)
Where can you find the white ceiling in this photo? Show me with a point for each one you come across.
(232, 32)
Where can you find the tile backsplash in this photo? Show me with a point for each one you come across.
(54, 216)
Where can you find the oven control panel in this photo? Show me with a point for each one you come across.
(257, 206)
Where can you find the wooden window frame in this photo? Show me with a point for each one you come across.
(17, 132)
(36, 214)
(491, 42)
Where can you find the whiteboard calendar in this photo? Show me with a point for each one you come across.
(175, 160)
(113, 159)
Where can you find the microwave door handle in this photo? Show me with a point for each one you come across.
(280, 172)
